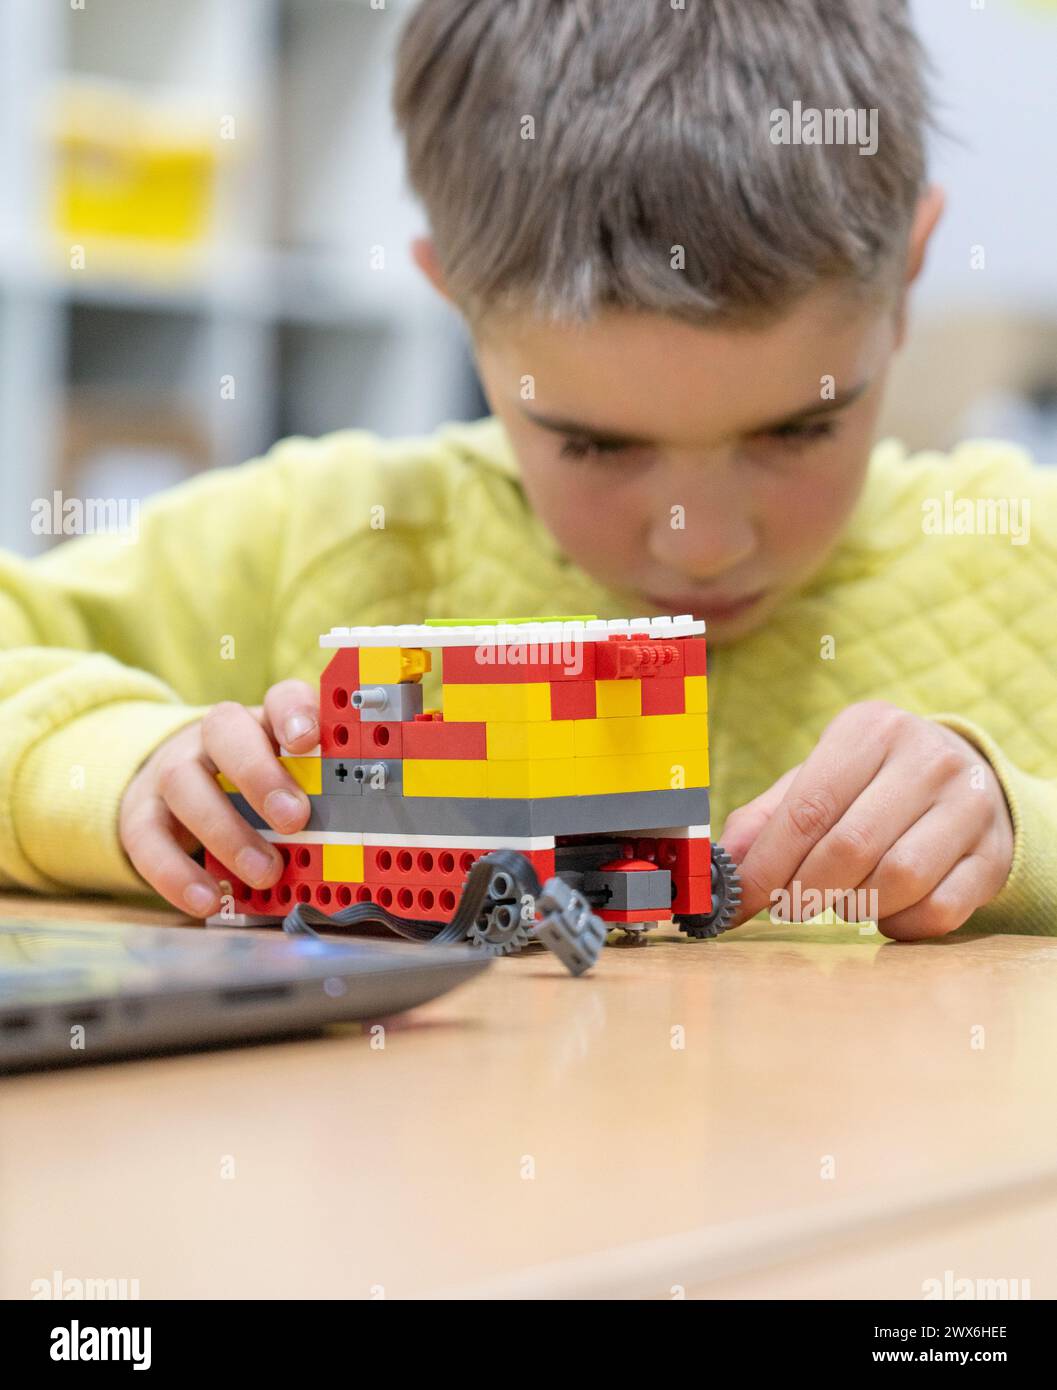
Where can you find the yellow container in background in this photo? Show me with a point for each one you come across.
(130, 164)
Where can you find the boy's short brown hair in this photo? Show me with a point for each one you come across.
(574, 155)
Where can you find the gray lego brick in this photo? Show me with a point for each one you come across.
(361, 776)
(388, 702)
(338, 779)
(627, 892)
(555, 815)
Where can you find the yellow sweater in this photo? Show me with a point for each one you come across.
(106, 647)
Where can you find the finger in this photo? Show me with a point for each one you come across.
(234, 738)
(744, 824)
(291, 709)
(951, 903)
(150, 845)
(194, 798)
(840, 765)
(876, 821)
(921, 858)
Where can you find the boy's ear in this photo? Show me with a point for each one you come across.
(929, 211)
(424, 254)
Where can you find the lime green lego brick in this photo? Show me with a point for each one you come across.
(506, 622)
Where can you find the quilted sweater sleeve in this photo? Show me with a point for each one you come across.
(1027, 903)
(1015, 727)
(108, 645)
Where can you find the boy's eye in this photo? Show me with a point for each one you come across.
(795, 436)
(580, 449)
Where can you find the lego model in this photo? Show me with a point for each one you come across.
(570, 753)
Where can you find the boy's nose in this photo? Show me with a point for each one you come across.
(702, 539)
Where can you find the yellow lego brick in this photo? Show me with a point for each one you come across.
(649, 733)
(510, 702)
(343, 863)
(532, 778)
(618, 699)
(225, 784)
(530, 739)
(696, 688)
(445, 777)
(641, 772)
(307, 773)
(392, 665)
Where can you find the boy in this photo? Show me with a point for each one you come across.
(683, 319)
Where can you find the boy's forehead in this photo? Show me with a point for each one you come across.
(625, 372)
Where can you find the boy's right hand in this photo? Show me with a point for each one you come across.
(174, 804)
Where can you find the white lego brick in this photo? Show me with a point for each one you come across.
(669, 832)
(523, 842)
(314, 837)
(510, 634)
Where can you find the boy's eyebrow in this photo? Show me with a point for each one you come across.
(810, 412)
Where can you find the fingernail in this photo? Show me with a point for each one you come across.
(283, 808)
(199, 898)
(253, 864)
(297, 725)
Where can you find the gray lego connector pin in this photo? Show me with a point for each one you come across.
(396, 702)
(569, 928)
(371, 697)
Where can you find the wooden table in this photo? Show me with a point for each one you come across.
(789, 1110)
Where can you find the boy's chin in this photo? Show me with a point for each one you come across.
(722, 630)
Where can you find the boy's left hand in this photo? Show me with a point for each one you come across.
(886, 801)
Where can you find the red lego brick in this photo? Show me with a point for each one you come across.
(573, 699)
(462, 665)
(303, 863)
(382, 738)
(694, 662)
(338, 681)
(429, 901)
(418, 864)
(542, 860)
(437, 738)
(685, 858)
(623, 658)
(638, 914)
(693, 894)
(664, 695)
(339, 738)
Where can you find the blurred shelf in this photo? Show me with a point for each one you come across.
(279, 298)
(261, 283)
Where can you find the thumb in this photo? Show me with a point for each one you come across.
(744, 824)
